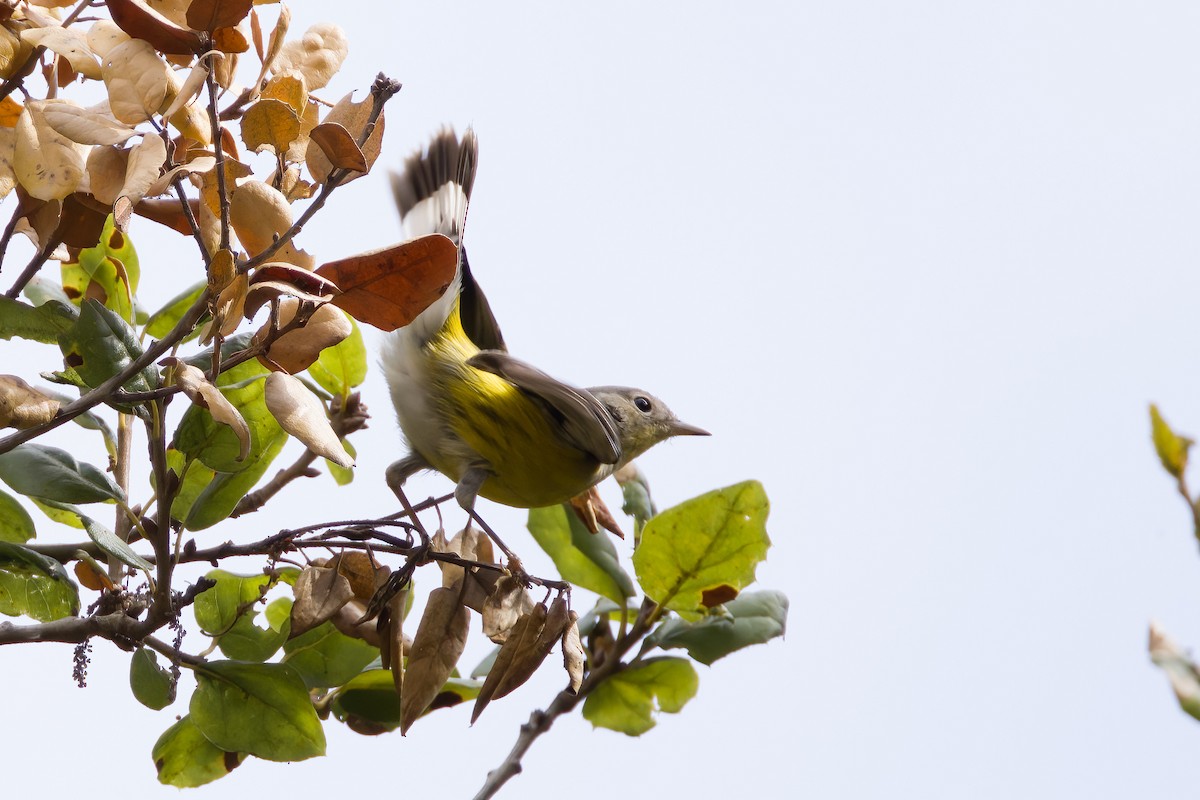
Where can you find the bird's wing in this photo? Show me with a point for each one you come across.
(584, 419)
(477, 318)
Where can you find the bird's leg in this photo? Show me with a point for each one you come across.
(399, 472)
(466, 493)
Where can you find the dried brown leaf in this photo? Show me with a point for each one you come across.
(440, 640)
(104, 35)
(270, 123)
(137, 80)
(594, 514)
(204, 394)
(22, 406)
(296, 350)
(84, 125)
(70, 43)
(301, 414)
(275, 279)
(508, 602)
(230, 40)
(259, 213)
(141, 22)
(145, 162)
(8, 154)
(47, 164)
(189, 89)
(517, 660)
(360, 569)
(574, 659)
(106, 172)
(318, 54)
(321, 592)
(201, 164)
(354, 118)
(208, 15)
(338, 146)
(10, 110)
(288, 87)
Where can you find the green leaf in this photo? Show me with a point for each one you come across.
(35, 585)
(626, 702)
(110, 543)
(340, 368)
(219, 606)
(15, 523)
(196, 477)
(261, 709)
(216, 445)
(221, 495)
(1172, 449)
(582, 558)
(47, 473)
(100, 345)
(246, 641)
(369, 703)
(185, 758)
(42, 323)
(151, 684)
(162, 321)
(753, 618)
(342, 475)
(704, 551)
(108, 272)
(325, 657)
(40, 291)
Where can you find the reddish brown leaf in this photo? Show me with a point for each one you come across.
(388, 288)
(141, 22)
(276, 279)
(230, 40)
(594, 514)
(338, 146)
(82, 221)
(168, 212)
(208, 15)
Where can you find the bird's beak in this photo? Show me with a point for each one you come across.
(683, 429)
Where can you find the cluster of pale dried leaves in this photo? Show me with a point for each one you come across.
(341, 590)
(154, 129)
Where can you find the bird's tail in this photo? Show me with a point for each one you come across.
(433, 190)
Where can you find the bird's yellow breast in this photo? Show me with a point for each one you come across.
(531, 461)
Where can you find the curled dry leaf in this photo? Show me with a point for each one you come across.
(301, 414)
(106, 168)
(318, 55)
(518, 659)
(440, 640)
(270, 123)
(354, 117)
(296, 350)
(594, 514)
(204, 394)
(338, 146)
(70, 43)
(364, 575)
(574, 659)
(275, 43)
(393, 644)
(137, 81)
(258, 213)
(141, 22)
(48, 165)
(84, 125)
(274, 280)
(189, 90)
(22, 406)
(321, 592)
(389, 288)
(508, 602)
(161, 184)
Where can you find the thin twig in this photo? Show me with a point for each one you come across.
(218, 148)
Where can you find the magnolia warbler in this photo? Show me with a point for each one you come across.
(499, 427)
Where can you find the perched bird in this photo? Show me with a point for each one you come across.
(499, 427)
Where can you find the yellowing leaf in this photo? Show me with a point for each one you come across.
(270, 123)
(84, 125)
(22, 406)
(1172, 448)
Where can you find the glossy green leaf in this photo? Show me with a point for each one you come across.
(222, 494)
(185, 758)
(325, 657)
(196, 477)
(100, 345)
(15, 523)
(42, 323)
(35, 585)
(627, 701)
(368, 703)
(753, 618)
(704, 551)
(151, 684)
(162, 321)
(582, 558)
(261, 709)
(340, 368)
(48, 473)
(112, 544)
(1172, 448)
(108, 272)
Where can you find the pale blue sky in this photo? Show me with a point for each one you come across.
(919, 267)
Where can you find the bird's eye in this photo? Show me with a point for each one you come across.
(642, 404)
